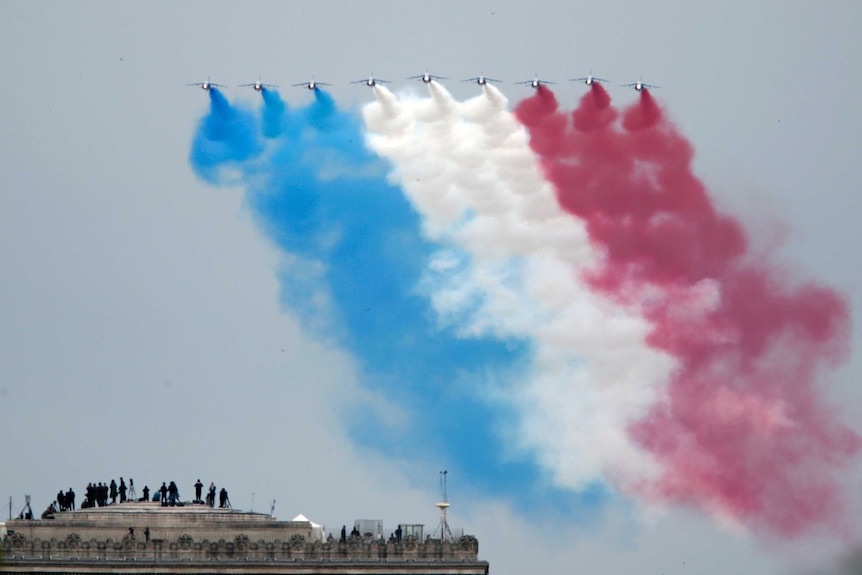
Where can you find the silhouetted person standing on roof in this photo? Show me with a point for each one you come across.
(113, 491)
(173, 493)
(146, 493)
(70, 499)
(122, 490)
(163, 490)
(198, 487)
(222, 497)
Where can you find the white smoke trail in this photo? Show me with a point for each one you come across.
(513, 270)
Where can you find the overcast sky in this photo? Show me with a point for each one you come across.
(141, 329)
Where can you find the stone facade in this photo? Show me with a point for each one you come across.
(200, 539)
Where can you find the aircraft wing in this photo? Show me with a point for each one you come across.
(422, 77)
(634, 85)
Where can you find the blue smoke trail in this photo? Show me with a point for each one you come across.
(226, 137)
(273, 113)
(357, 262)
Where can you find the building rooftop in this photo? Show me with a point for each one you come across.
(122, 537)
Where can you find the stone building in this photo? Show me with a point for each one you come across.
(146, 537)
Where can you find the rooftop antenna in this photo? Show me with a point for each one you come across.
(272, 509)
(252, 501)
(443, 528)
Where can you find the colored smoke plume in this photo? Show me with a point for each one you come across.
(559, 285)
(742, 429)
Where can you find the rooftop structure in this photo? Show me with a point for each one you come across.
(146, 537)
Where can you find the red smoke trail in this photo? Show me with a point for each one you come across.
(742, 430)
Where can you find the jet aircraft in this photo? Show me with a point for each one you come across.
(589, 79)
(259, 86)
(639, 86)
(481, 79)
(207, 85)
(310, 85)
(426, 77)
(371, 81)
(535, 82)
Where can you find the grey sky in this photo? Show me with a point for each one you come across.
(140, 332)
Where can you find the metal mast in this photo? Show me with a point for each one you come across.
(443, 528)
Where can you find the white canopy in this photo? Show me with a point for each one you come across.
(317, 531)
